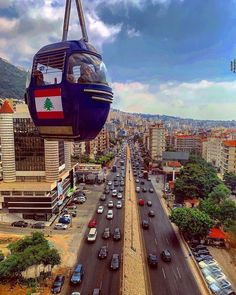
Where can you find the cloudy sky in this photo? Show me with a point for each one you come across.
(164, 56)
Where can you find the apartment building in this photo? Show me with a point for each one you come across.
(37, 173)
(157, 143)
(78, 148)
(99, 145)
(188, 143)
(228, 156)
(211, 150)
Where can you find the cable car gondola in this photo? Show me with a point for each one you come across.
(68, 96)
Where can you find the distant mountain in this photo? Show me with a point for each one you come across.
(12, 80)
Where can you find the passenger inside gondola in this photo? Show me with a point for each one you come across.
(38, 75)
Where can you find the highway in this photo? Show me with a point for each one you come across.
(170, 278)
(97, 272)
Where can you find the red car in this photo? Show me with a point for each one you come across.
(141, 202)
(92, 223)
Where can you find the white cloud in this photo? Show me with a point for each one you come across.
(200, 100)
(133, 33)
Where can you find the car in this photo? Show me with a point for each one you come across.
(119, 204)
(57, 284)
(106, 234)
(137, 180)
(92, 223)
(137, 189)
(165, 255)
(115, 262)
(114, 193)
(109, 182)
(149, 203)
(77, 274)
(96, 291)
(73, 213)
(75, 293)
(151, 190)
(197, 247)
(74, 207)
(152, 260)
(121, 189)
(206, 263)
(116, 234)
(209, 279)
(145, 224)
(100, 209)
(103, 252)
(144, 190)
(116, 183)
(103, 197)
(110, 214)
(218, 275)
(117, 175)
(38, 225)
(223, 283)
(60, 226)
(119, 196)
(142, 182)
(201, 252)
(81, 200)
(92, 235)
(203, 257)
(20, 223)
(64, 219)
(110, 204)
(214, 268)
(106, 191)
(151, 213)
(141, 202)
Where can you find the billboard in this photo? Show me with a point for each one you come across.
(60, 195)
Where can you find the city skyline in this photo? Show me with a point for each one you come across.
(175, 54)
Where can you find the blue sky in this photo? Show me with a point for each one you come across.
(164, 56)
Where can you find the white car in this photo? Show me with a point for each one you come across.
(110, 204)
(67, 215)
(119, 205)
(100, 209)
(110, 214)
(207, 263)
(110, 182)
(114, 193)
(60, 226)
(119, 196)
(137, 180)
(137, 189)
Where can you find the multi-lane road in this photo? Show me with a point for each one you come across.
(169, 278)
(97, 272)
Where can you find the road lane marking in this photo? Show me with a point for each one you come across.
(164, 275)
(179, 273)
(155, 241)
(175, 275)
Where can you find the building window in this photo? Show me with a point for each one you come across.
(4, 193)
(61, 153)
(16, 193)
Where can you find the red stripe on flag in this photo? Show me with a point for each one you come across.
(50, 115)
(47, 92)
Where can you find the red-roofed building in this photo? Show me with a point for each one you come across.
(228, 156)
(216, 237)
(6, 108)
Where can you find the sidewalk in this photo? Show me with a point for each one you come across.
(190, 260)
(135, 278)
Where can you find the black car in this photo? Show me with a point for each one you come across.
(198, 247)
(115, 262)
(106, 234)
(20, 223)
(103, 198)
(165, 255)
(116, 234)
(57, 284)
(103, 252)
(38, 225)
(149, 203)
(142, 182)
(145, 224)
(201, 252)
(144, 190)
(151, 213)
(203, 257)
(152, 260)
(106, 191)
(151, 190)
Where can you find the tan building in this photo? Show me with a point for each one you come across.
(188, 143)
(99, 145)
(211, 150)
(157, 143)
(37, 173)
(228, 156)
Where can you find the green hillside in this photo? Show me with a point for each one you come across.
(12, 81)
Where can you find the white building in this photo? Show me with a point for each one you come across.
(157, 142)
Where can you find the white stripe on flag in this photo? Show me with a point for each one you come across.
(55, 100)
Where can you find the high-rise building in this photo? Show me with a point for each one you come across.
(157, 143)
(37, 173)
(211, 150)
(228, 156)
(188, 143)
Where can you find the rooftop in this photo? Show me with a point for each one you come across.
(6, 108)
(230, 143)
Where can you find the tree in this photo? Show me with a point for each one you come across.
(219, 193)
(192, 222)
(210, 207)
(230, 180)
(1, 256)
(48, 105)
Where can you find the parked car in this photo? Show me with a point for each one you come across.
(203, 257)
(145, 224)
(57, 284)
(106, 233)
(77, 274)
(64, 219)
(20, 223)
(152, 260)
(92, 223)
(115, 262)
(116, 234)
(149, 203)
(141, 202)
(60, 226)
(103, 252)
(206, 263)
(40, 225)
(110, 204)
(165, 255)
(151, 213)
(100, 209)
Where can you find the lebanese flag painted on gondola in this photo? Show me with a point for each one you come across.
(48, 103)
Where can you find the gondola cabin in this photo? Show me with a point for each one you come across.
(68, 95)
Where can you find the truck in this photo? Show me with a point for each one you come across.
(114, 168)
(122, 163)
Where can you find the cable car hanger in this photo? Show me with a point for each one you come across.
(68, 95)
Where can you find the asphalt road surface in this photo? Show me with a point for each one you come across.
(97, 272)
